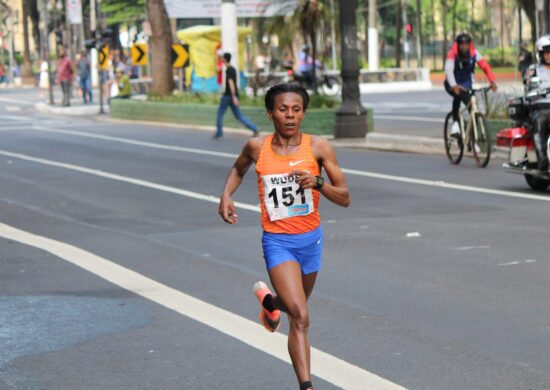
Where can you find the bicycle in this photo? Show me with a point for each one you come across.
(475, 136)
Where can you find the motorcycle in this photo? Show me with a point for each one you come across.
(522, 156)
(329, 84)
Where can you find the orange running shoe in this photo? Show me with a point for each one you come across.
(270, 320)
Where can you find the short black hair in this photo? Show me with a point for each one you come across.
(284, 88)
(227, 56)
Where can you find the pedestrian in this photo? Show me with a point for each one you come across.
(289, 165)
(525, 59)
(84, 75)
(230, 98)
(122, 81)
(65, 75)
(2, 74)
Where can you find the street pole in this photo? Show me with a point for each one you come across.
(351, 117)
(46, 40)
(406, 47)
(373, 37)
(229, 33)
(333, 34)
(419, 34)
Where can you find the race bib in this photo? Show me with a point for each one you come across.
(284, 198)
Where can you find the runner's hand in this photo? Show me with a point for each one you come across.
(304, 178)
(236, 101)
(227, 210)
(493, 86)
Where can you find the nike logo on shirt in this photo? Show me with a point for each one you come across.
(292, 163)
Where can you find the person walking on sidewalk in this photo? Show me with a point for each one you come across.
(289, 165)
(230, 98)
(65, 74)
(84, 73)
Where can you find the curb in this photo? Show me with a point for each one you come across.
(394, 143)
(73, 110)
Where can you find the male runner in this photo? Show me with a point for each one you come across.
(289, 165)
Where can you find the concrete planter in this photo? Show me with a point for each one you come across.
(317, 121)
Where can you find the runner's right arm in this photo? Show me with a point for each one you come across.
(227, 209)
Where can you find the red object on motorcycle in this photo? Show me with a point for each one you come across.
(516, 136)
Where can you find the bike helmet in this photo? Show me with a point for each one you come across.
(542, 45)
(463, 38)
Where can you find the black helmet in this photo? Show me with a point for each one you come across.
(463, 38)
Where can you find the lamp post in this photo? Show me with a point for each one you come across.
(351, 117)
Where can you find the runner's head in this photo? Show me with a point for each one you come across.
(543, 49)
(286, 105)
(463, 42)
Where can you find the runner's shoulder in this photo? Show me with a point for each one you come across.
(320, 146)
(253, 146)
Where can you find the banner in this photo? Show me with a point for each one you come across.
(74, 11)
(212, 8)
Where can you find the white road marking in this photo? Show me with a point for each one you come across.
(126, 179)
(374, 175)
(324, 365)
(17, 101)
(467, 248)
(413, 235)
(510, 263)
(135, 142)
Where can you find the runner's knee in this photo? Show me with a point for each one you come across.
(300, 316)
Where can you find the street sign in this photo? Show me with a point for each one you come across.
(104, 57)
(139, 54)
(180, 55)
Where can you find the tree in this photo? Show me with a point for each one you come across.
(351, 117)
(530, 10)
(311, 14)
(26, 68)
(123, 11)
(161, 48)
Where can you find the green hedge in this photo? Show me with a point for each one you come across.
(317, 121)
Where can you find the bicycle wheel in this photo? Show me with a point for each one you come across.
(454, 147)
(481, 142)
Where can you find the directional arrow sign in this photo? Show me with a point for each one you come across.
(103, 57)
(139, 54)
(180, 55)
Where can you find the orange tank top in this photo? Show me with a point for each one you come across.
(287, 208)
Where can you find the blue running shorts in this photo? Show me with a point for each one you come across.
(305, 249)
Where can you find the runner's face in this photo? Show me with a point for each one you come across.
(546, 55)
(287, 114)
(464, 48)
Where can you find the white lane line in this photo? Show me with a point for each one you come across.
(17, 101)
(467, 248)
(134, 142)
(325, 366)
(442, 184)
(374, 175)
(528, 261)
(126, 179)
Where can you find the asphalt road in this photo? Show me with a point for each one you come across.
(425, 284)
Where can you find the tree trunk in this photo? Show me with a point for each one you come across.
(366, 19)
(161, 48)
(454, 18)
(26, 68)
(34, 14)
(351, 117)
(399, 30)
(444, 12)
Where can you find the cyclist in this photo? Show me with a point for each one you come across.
(459, 74)
(538, 118)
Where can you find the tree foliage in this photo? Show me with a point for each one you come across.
(123, 11)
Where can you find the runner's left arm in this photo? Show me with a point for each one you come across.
(486, 68)
(337, 190)
(227, 209)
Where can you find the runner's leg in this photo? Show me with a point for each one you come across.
(288, 283)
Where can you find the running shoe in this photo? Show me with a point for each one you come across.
(455, 129)
(270, 320)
